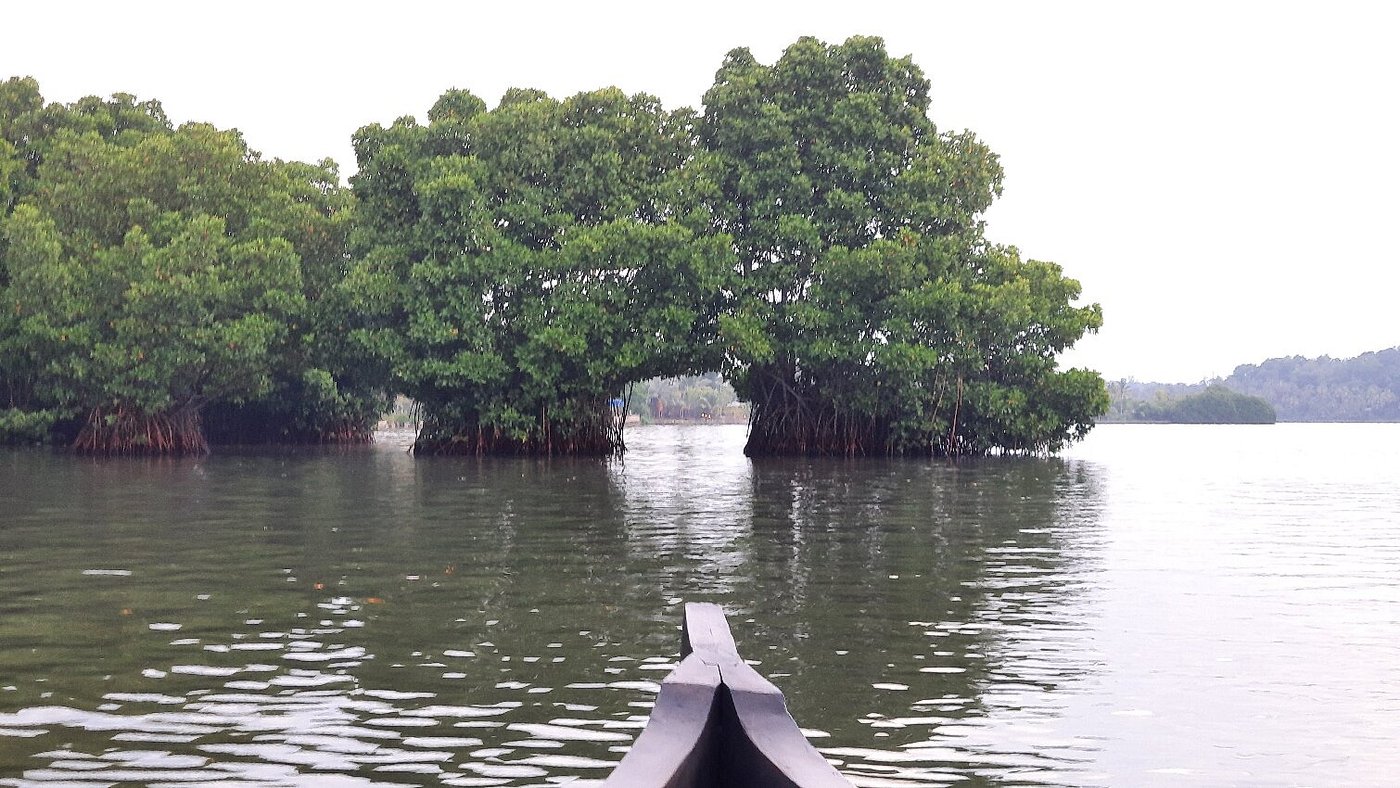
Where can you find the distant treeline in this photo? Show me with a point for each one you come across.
(1215, 405)
(1365, 388)
(808, 233)
(686, 398)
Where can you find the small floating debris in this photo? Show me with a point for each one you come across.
(107, 572)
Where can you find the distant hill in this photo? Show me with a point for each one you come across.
(1365, 388)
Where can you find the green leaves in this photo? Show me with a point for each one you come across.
(811, 234)
(153, 272)
(870, 314)
(545, 259)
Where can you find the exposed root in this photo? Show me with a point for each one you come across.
(130, 432)
(787, 419)
(594, 430)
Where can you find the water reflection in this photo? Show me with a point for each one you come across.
(364, 618)
(687, 508)
(938, 594)
(278, 617)
(281, 616)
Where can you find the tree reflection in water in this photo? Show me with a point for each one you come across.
(282, 615)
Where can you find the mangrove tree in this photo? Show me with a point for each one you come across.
(152, 272)
(520, 266)
(870, 314)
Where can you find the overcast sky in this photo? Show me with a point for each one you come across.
(1221, 177)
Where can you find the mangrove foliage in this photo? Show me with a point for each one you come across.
(520, 266)
(870, 314)
(152, 273)
(808, 233)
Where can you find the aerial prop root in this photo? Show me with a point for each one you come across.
(127, 431)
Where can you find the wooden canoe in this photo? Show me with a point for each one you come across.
(717, 722)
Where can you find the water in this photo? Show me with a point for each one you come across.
(1179, 606)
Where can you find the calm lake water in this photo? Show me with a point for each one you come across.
(1177, 606)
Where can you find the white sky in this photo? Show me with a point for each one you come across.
(1222, 177)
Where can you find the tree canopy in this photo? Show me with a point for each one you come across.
(809, 233)
(529, 262)
(871, 315)
(150, 272)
